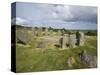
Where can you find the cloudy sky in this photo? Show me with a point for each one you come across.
(54, 15)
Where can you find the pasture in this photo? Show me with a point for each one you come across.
(32, 59)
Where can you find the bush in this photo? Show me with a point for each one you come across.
(91, 33)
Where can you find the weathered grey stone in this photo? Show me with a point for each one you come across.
(22, 37)
(82, 38)
(88, 58)
(78, 38)
(72, 40)
(63, 42)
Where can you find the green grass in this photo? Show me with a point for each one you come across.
(31, 59)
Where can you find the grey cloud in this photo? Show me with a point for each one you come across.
(79, 13)
(55, 14)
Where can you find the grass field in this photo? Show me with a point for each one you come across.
(33, 59)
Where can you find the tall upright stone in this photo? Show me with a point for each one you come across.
(63, 42)
(78, 36)
(72, 40)
(67, 40)
(59, 33)
(82, 38)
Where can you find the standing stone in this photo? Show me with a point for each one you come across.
(59, 33)
(78, 36)
(72, 40)
(67, 40)
(63, 42)
(22, 37)
(82, 38)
